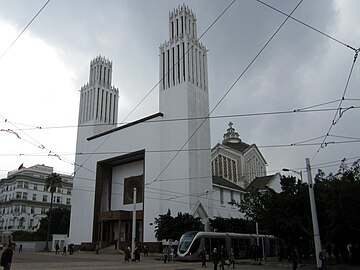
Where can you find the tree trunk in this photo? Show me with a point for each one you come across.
(49, 224)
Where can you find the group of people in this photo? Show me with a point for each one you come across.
(71, 249)
(221, 257)
(127, 254)
(169, 254)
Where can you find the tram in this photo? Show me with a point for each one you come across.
(191, 244)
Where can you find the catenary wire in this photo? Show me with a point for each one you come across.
(211, 25)
(333, 122)
(301, 110)
(226, 93)
(3, 54)
(307, 25)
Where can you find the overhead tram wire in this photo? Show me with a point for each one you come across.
(226, 93)
(37, 143)
(152, 89)
(334, 121)
(309, 26)
(297, 144)
(180, 59)
(3, 54)
(301, 110)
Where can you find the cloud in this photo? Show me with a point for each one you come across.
(38, 89)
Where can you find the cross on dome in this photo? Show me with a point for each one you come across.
(231, 135)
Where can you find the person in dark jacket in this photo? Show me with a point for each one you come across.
(215, 258)
(6, 257)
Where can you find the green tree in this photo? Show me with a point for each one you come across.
(52, 182)
(286, 214)
(168, 227)
(60, 221)
(338, 204)
(236, 225)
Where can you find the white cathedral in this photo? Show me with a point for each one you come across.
(169, 162)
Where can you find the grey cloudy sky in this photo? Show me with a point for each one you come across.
(42, 72)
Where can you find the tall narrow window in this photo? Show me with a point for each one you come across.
(97, 103)
(182, 24)
(203, 62)
(220, 166)
(188, 62)
(100, 73)
(106, 106)
(87, 106)
(200, 70)
(196, 68)
(229, 169)
(217, 166)
(221, 196)
(114, 110)
(177, 27)
(225, 160)
(178, 63)
(163, 70)
(173, 66)
(234, 170)
(168, 68)
(172, 29)
(102, 104)
(183, 59)
(110, 102)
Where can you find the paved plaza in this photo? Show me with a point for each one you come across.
(89, 260)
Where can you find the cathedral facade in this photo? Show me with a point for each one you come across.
(167, 161)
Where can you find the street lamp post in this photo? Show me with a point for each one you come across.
(297, 172)
(314, 219)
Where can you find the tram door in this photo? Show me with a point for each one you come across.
(235, 247)
(217, 243)
(207, 246)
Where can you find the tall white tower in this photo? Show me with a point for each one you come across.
(99, 99)
(184, 95)
(97, 113)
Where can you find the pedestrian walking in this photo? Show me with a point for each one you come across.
(97, 248)
(6, 257)
(294, 258)
(232, 258)
(64, 251)
(171, 251)
(137, 254)
(223, 256)
(323, 259)
(146, 250)
(127, 254)
(166, 253)
(202, 255)
(57, 248)
(215, 258)
(20, 248)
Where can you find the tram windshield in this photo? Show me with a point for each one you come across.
(185, 241)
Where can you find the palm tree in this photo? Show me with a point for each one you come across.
(52, 182)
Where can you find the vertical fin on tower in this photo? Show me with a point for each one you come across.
(99, 99)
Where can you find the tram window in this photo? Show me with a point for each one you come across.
(222, 242)
(248, 247)
(195, 246)
(217, 242)
(242, 244)
(207, 245)
(235, 246)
